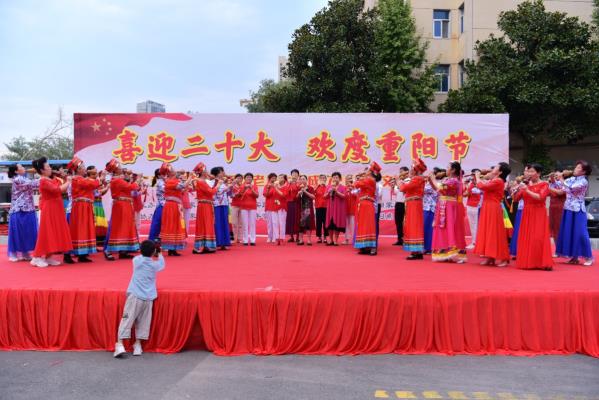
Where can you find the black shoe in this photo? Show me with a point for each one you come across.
(300, 243)
(415, 256)
(108, 257)
(246, 244)
(319, 240)
(223, 248)
(173, 253)
(252, 244)
(398, 243)
(84, 259)
(67, 259)
(291, 240)
(125, 256)
(194, 251)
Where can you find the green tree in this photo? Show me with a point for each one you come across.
(402, 82)
(53, 143)
(544, 72)
(596, 13)
(274, 96)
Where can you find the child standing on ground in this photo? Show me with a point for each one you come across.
(141, 294)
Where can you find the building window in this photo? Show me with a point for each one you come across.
(462, 18)
(461, 73)
(442, 74)
(441, 24)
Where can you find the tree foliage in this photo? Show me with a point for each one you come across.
(347, 59)
(543, 71)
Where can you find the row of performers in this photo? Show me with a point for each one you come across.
(296, 209)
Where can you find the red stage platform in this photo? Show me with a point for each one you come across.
(308, 300)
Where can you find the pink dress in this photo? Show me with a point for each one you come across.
(449, 243)
(336, 209)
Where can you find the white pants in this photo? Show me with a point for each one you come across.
(138, 221)
(272, 225)
(236, 222)
(350, 223)
(282, 217)
(186, 218)
(473, 221)
(248, 225)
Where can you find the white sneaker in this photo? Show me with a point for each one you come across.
(137, 351)
(39, 262)
(119, 350)
(13, 259)
(588, 262)
(470, 246)
(52, 262)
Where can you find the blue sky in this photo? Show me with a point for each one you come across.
(105, 56)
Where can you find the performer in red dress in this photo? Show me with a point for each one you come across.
(172, 229)
(351, 202)
(534, 243)
(365, 240)
(82, 222)
(122, 234)
(205, 238)
(291, 225)
(413, 229)
(556, 206)
(491, 237)
(53, 235)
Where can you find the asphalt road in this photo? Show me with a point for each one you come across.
(201, 375)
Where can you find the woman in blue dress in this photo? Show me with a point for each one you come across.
(22, 223)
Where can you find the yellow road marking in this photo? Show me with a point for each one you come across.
(431, 395)
(481, 396)
(457, 395)
(405, 395)
(381, 394)
(506, 396)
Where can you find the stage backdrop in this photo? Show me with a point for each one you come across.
(312, 143)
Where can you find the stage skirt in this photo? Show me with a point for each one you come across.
(449, 239)
(573, 239)
(292, 224)
(515, 233)
(22, 233)
(205, 236)
(221, 226)
(172, 229)
(156, 223)
(100, 221)
(122, 234)
(83, 228)
(491, 236)
(533, 235)
(556, 210)
(429, 218)
(365, 225)
(54, 235)
(413, 228)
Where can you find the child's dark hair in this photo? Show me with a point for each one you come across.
(404, 169)
(216, 170)
(39, 164)
(504, 170)
(337, 174)
(238, 176)
(148, 248)
(90, 167)
(294, 170)
(271, 175)
(248, 174)
(156, 177)
(12, 171)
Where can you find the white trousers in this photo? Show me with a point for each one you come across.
(282, 217)
(248, 226)
(272, 225)
(472, 221)
(186, 218)
(236, 222)
(350, 224)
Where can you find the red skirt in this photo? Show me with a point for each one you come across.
(83, 228)
(413, 228)
(491, 235)
(172, 232)
(555, 218)
(534, 244)
(122, 232)
(366, 225)
(205, 236)
(53, 234)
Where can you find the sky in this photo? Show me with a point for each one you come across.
(106, 56)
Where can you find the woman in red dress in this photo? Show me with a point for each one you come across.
(306, 220)
(205, 238)
(82, 222)
(366, 215)
(122, 234)
(491, 237)
(413, 228)
(172, 229)
(53, 235)
(534, 243)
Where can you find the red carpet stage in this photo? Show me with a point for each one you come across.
(308, 300)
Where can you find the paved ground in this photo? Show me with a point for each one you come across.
(201, 375)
